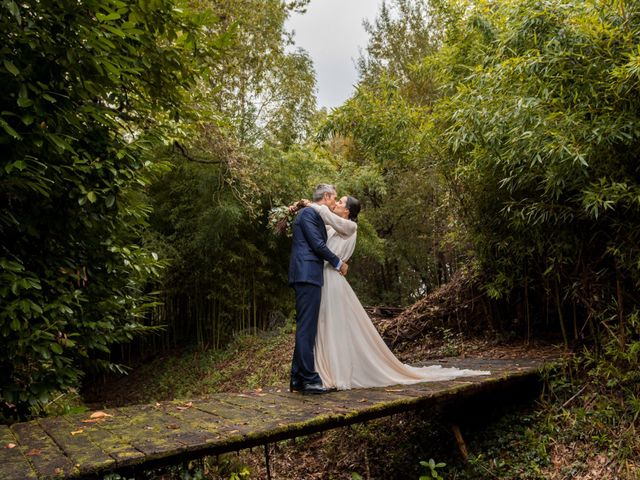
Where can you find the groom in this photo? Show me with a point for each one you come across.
(308, 251)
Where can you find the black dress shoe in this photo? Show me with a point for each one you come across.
(315, 389)
(295, 386)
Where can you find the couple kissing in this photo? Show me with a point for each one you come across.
(337, 347)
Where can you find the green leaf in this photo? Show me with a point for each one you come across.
(92, 197)
(15, 324)
(59, 142)
(23, 97)
(115, 31)
(105, 18)
(14, 10)
(7, 128)
(8, 64)
(20, 165)
(27, 119)
(56, 348)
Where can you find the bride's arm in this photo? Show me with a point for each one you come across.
(344, 227)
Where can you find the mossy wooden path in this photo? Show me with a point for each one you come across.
(142, 436)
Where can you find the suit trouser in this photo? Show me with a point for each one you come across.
(307, 309)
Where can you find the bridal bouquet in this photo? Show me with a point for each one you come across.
(281, 218)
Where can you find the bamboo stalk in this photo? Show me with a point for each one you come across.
(560, 315)
(460, 441)
(622, 330)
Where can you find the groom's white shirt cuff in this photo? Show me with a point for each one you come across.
(339, 265)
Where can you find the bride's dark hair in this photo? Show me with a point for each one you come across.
(353, 205)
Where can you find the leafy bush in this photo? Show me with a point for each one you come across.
(88, 89)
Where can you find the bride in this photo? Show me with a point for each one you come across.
(349, 351)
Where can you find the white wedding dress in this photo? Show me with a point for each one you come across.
(349, 351)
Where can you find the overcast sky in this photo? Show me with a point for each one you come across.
(331, 31)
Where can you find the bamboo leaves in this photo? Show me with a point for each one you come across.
(87, 93)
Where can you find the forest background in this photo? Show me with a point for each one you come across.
(144, 143)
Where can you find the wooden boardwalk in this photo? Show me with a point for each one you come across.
(144, 436)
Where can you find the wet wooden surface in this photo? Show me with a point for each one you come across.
(140, 436)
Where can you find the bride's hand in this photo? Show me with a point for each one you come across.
(294, 207)
(344, 268)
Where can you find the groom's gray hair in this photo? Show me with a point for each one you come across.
(321, 189)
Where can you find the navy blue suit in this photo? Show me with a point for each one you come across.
(308, 252)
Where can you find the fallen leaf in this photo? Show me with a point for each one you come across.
(77, 432)
(363, 400)
(393, 390)
(173, 426)
(185, 406)
(10, 445)
(258, 389)
(261, 394)
(234, 431)
(99, 415)
(34, 452)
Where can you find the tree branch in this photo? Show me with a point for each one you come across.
(185, 154)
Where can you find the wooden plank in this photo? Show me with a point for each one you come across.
(114, 446)
(229, 426)
(45, 456)
(193, 428)
(274, 405)
(148, 430)
(85, 455)
(252, 426)
(13, 463)
(328, 405)
(199, 426)
(354, 402)
(233, 414)
(235, 427)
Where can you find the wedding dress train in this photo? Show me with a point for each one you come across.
(349, 351)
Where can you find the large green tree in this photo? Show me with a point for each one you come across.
(539, 133)
(383, 125)
(89, 88)
(247, 154)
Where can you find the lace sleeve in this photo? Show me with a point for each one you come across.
(344, 228)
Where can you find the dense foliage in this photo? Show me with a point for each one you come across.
(540, 132)
(526, 114)
(512, 132)
(228, 272)
(88, 89)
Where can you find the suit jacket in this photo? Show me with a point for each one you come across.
(309, 249)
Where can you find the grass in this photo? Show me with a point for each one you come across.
(248, 363)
